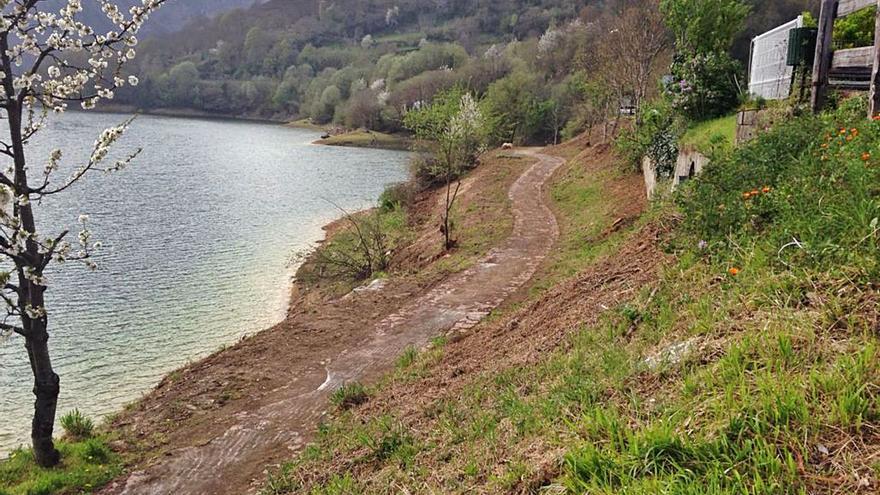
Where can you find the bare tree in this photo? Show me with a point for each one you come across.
(48, 60)
(634, 49)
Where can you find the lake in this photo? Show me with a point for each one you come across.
(197, 236)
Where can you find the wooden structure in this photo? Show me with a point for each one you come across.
(854, 68)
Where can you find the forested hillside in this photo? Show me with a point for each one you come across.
(545, 67)
(174, 16)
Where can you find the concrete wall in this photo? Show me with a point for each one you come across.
(689, 164)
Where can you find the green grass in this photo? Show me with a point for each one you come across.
(369, 139)
(583, 214)
(306, 124)
(349, 395)
(85, 467)
(710, 134)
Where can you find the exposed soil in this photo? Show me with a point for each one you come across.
(522, 337)
(215, 426)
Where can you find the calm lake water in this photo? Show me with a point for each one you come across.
(197, 236)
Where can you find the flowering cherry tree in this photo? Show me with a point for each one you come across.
(49, 60)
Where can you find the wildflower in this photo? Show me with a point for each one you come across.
(756, 192)
(765, 189)
(850, 138)
(876, 118)
(702, 245)
(733, 271)
(747, 195)
(824, 146)
(842, 132)
(866, 156)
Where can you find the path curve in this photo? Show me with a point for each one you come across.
(456, 305)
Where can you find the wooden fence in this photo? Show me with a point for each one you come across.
(853, 68)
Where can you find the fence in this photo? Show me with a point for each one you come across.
(854, 68)
(770, 77)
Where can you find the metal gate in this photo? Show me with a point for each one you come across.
(769, 75)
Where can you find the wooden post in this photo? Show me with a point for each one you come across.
(874, 102)
(822, 62)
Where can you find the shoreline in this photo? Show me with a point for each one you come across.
(179, 113)
(356, 138)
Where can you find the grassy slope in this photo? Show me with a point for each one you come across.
(86, 465)
(763, 380)
(368, 139)
(705, 135)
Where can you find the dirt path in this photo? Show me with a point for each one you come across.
(228, 463)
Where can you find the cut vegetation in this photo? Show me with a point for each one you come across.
(743, 361)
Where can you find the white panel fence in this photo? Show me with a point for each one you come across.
(769, 75)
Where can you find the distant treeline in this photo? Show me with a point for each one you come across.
(542, 67)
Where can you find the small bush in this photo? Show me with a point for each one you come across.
(77, 426)
(429, 172)
(396, 196)
(656, 137)
(705, 86)
(355, 254)
(349, 395)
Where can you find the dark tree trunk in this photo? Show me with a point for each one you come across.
(46, 388)
(30, 294)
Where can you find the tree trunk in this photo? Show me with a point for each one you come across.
(46, 388)
(30, 294)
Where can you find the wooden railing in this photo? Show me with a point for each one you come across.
(851, 68)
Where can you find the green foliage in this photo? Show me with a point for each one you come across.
(86, 466)
(77, 426)
(856, 30)
(518, 109)
(804, 195)
(349, 395)
(655, 136)
(853, 31)
(704, 26)
(396, 196)
(705, 86)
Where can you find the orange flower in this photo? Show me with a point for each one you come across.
(850, 137)
(854, 130)
(747, 195)
(824, 146)
(876, 118)
(734, 271)
(842, 132)
(765, 189)
(866, 156)
(756, 192)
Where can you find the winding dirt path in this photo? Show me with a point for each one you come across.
(222, 465)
